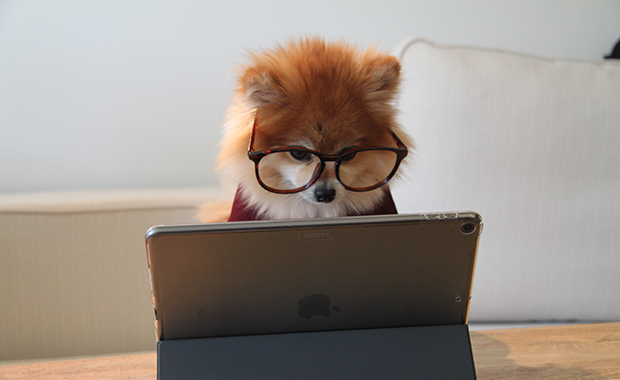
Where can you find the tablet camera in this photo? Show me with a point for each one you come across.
(468, 228)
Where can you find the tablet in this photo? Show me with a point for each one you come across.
(291, 276)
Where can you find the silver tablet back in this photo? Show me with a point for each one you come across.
(247, 278)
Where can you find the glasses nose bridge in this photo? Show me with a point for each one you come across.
(326, 170)
(330, 158)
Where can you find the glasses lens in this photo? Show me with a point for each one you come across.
(367, 168)
(288, 170)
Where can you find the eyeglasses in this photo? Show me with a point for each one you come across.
(293, 169)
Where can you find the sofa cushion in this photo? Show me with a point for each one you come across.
(532, 144)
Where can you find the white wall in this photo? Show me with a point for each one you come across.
(117, 94)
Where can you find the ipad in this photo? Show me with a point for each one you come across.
(349, 273)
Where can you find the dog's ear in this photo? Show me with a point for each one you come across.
(261, 88)
(384, 76)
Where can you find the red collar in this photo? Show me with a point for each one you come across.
(241, 211)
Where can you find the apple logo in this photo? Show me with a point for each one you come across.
(316, 304)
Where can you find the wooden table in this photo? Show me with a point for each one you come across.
(566, 352)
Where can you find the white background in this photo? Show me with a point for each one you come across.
(131, 94)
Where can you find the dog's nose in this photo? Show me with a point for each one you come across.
(323, 194)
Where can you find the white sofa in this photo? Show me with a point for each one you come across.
(532, 144)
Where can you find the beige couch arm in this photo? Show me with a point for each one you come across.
(73, 269)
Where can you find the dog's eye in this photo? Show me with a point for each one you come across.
(349, 156)
(300, 155)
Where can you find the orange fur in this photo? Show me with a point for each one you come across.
(329, 96)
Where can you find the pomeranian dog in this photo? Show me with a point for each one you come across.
(312, 132)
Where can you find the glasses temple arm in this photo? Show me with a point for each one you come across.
(251, 143)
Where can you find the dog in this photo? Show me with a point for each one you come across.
(312, 133)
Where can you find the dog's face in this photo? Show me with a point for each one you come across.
(324, 151)
(317, 98)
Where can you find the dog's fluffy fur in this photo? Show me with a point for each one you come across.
(319, 95)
